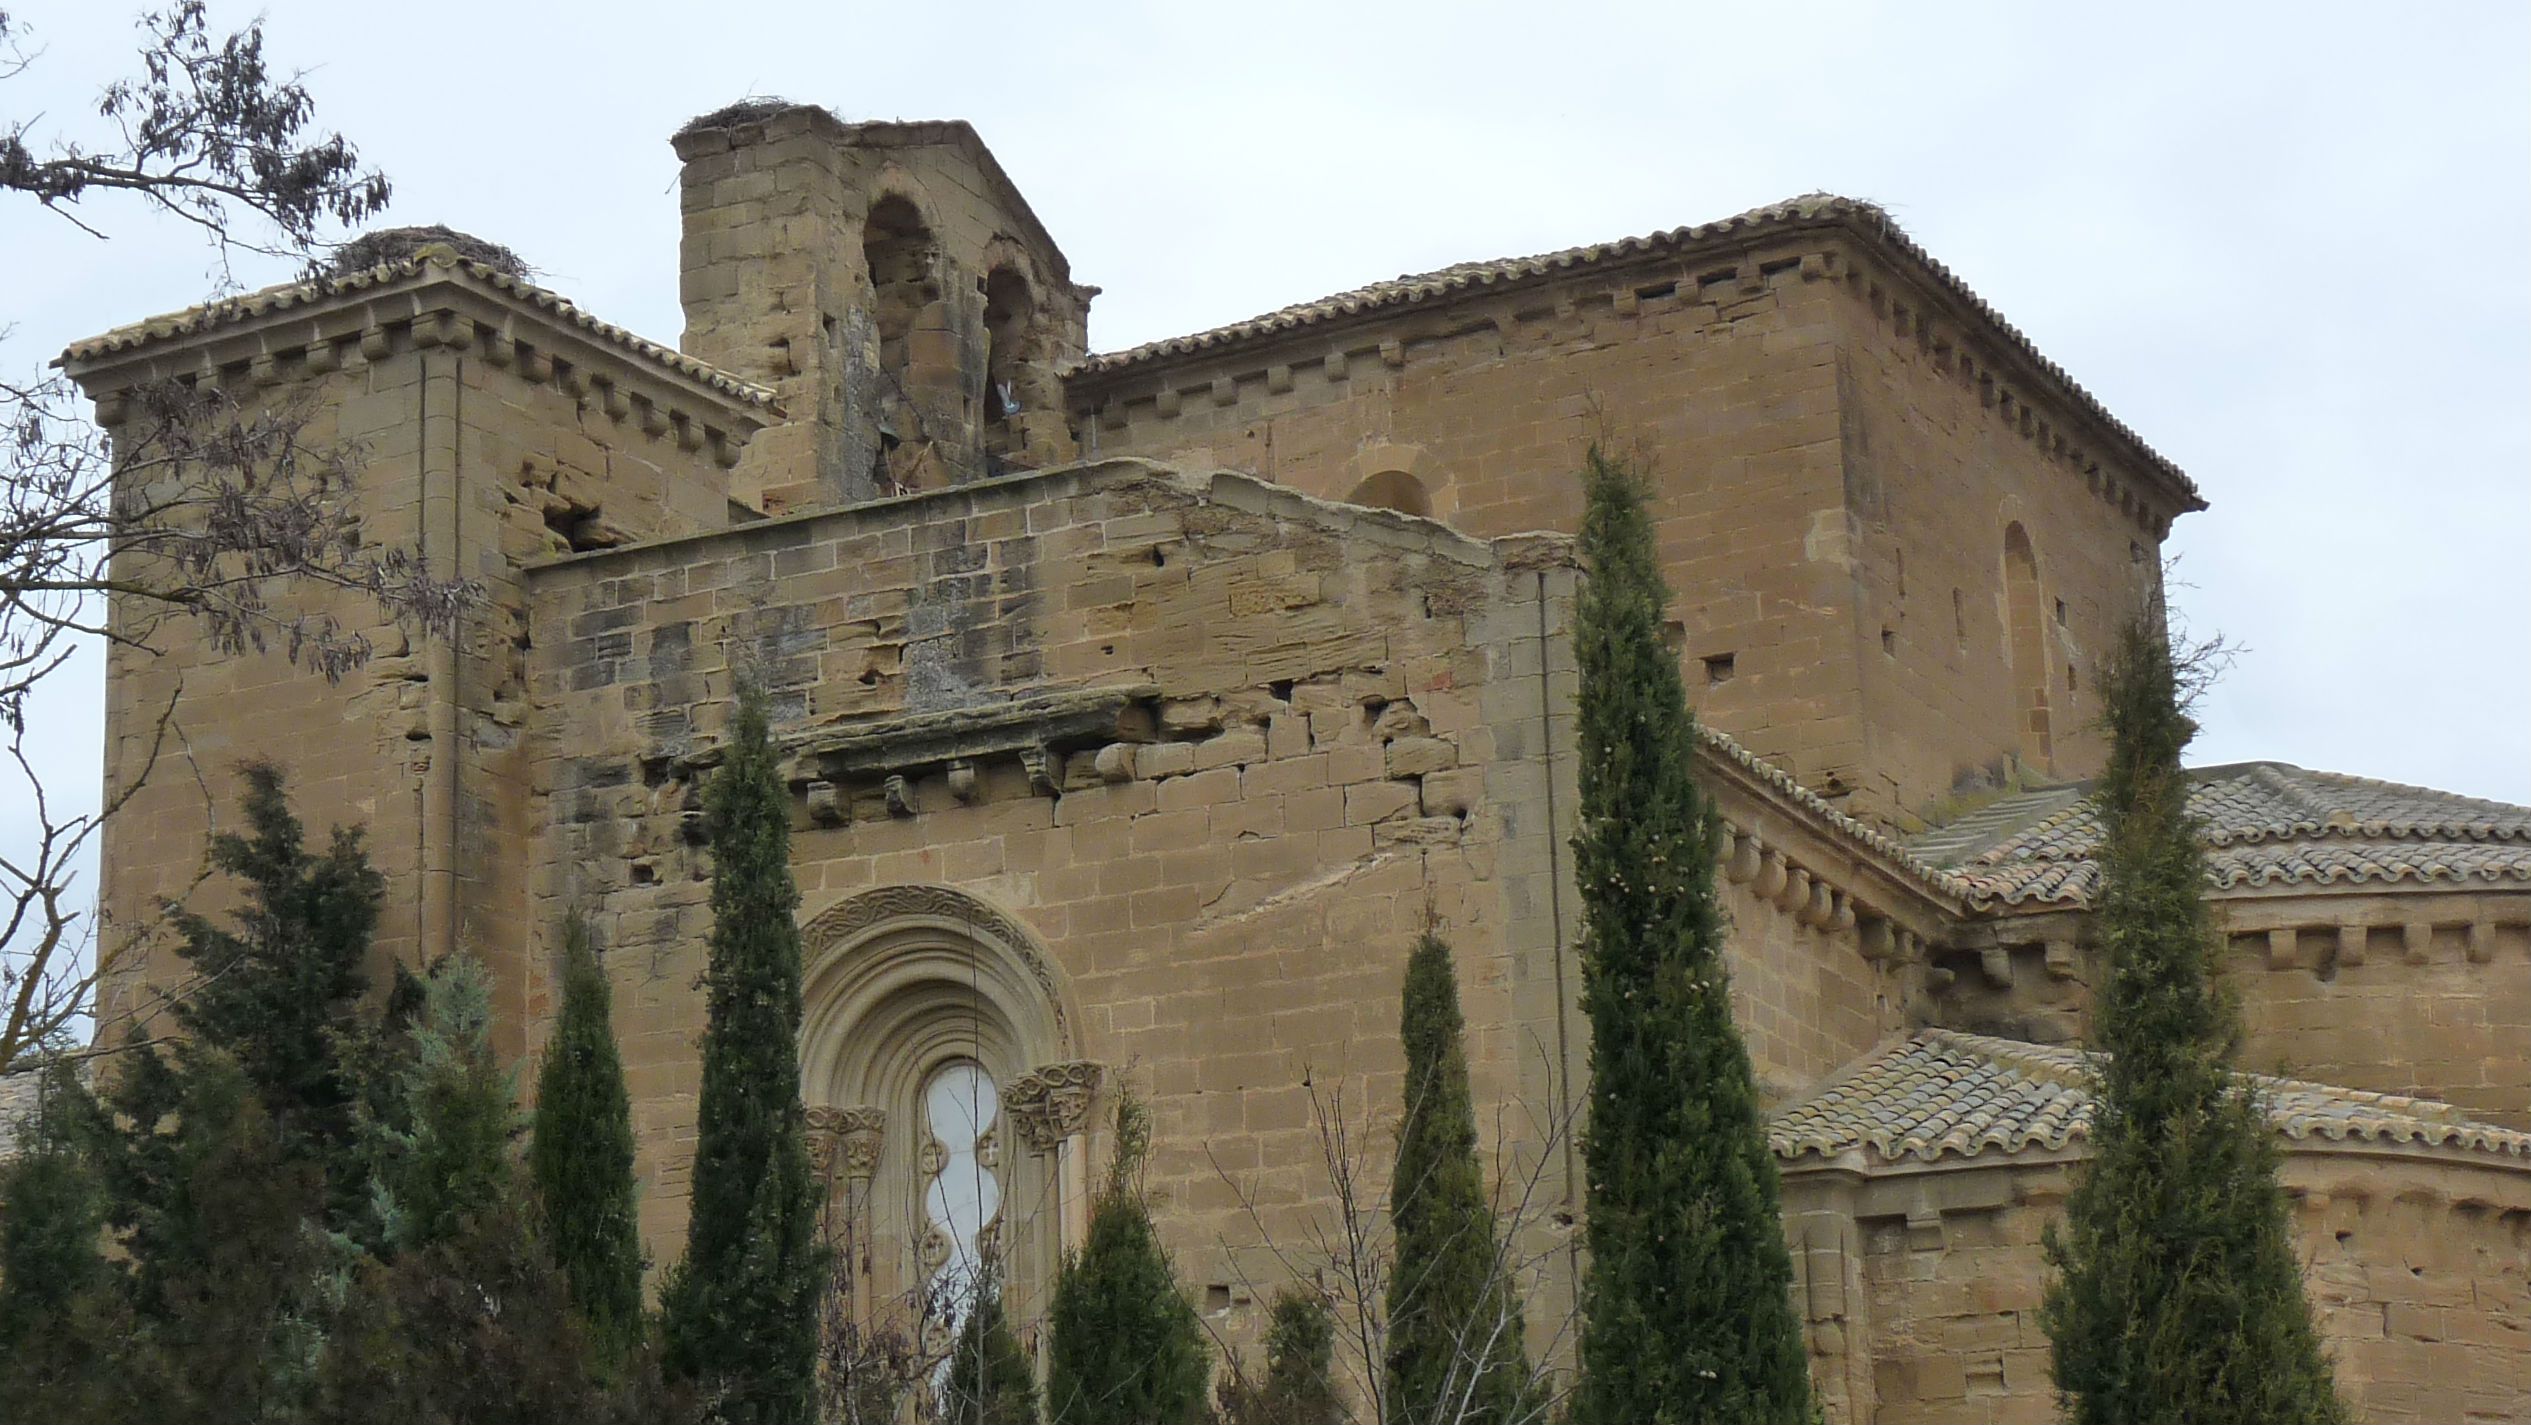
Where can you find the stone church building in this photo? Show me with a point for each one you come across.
(1142, 707)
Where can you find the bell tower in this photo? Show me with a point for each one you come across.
(889, 281)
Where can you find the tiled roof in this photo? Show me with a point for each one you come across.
(2266, 823)
(1867, 220)
(1897, 855)
(1945, 1094)
(209, 316)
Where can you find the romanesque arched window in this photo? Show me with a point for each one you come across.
(950, 1106)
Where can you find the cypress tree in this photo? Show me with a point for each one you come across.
(1687, 1300)
(1455, 1351)
(582, 1153)
(989, 1379)
(280, 992)
(1127, 1348)
(2178, 1295)
(1300, 1380)
(452, 1165)
(741, 1311)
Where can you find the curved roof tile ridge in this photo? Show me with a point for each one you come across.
(2263, 824)
(1944, 1093)
(284, 296)
(1866, 219)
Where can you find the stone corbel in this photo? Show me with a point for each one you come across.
(1995, 963)
(1746, 852)
(2351, 944)
(1796, 892)
(2417, 939)
(1879, 941)
(2281, 947)
(2481, 942)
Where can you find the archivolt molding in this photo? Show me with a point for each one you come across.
(830, 938)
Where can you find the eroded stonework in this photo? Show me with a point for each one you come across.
(1142, 710)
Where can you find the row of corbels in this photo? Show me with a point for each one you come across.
(1812, 902)
(830, 803)
(2416, 939)
(1746, 277)
(451, 331)
(1994, 393)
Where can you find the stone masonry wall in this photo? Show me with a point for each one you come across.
(2421, 989)
(481, 449)
(1723, 375)
(1339, 734)
(1810, 428)
(1942, 454)
(2423, 1301)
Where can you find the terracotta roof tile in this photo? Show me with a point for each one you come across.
(2266, 823)
(1896, 854)
(1943, 1094)
(210, 316)
(1868, 220)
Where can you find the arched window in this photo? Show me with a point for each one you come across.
(938, 1064)
(2027, 675)
(1393, 490)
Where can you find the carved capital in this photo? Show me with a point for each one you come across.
(847, 1138)
(1054, 1101)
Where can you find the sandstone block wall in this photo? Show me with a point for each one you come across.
(2423, 990)
(1814, 423)
(483, 438)
(1335, 731)
(2420, 1293)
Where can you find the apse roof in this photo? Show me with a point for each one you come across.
(1942, 1094)
(2266, 824)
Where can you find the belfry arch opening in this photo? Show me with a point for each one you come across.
(1010, 360)
(1393, 490)
(2027, 647)
(897, 249)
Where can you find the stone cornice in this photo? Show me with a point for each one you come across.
(1382, 322)
(435, 300)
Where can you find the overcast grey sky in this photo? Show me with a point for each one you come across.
(2286, 242)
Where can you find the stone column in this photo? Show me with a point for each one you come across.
(844, 1146)
(1053, 1106)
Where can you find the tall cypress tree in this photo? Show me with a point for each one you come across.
(582, 1152)
(1687, 1302)
(1127, 1348)
(1455, 1349)
(2178, 1295)
(741, 1312)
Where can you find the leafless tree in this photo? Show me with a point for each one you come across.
(1346, 1251)
(205, 507)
